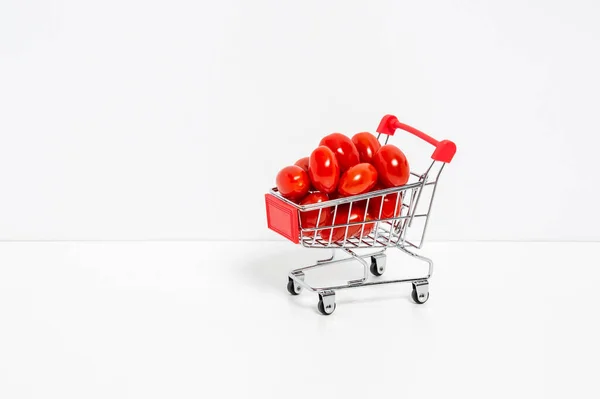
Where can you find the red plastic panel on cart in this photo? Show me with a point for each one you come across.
(282, 218)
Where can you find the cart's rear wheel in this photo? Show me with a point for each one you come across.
(374, 270)
(293, 288)
(378, 264)
(417, 299)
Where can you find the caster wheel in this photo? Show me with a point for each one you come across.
(417, 299)
(293, 288)
(374, 270)
(323, 311)
(377, 265)
(326, 304)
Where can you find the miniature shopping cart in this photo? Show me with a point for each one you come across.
(411, 208)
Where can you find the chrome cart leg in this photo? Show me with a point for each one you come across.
(326, 304)
(328, 259)
(378, 264)
(363, 262)
(423, 258)
(293, 287)
(420, 291)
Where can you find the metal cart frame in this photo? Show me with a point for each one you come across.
(284, 217)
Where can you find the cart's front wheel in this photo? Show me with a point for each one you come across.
(324, 311)
(326, 303)
(420, 291)
(293, 288)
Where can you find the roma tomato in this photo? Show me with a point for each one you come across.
(345, 151)
(345, 215)
(293, 183)
(367, 146)
(389, 203)
(308, 219)
(392, 166)
(323, 170)
(303, 163)
(358, 179)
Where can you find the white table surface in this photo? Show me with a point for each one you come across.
(213, 319)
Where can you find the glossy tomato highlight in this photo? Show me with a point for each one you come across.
(367, 146)
(323, 170)
(293, 183)
(345, 151)
(392, 166)
(358, 179)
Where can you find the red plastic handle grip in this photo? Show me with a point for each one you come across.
(444, 150)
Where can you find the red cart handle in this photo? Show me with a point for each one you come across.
(444, 150)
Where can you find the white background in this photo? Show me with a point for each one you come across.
(133, 120)
(168, 120)
(183, 320)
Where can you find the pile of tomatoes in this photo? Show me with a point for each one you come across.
(343, 167)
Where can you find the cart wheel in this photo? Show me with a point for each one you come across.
(293, 288)
(421, 294)
(322, 310)
(326, 303)
(378, 264)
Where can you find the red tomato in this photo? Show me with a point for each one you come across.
(303, 163)
(389, 203)
(358, 179)
(293, 183)
(345, 151)
(308, 219)
(323, 170)
(342, 216)
(367, 146)
(368, 227)
(392, 166)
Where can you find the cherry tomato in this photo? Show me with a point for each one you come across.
(358, 179)
(308, 219)
(345, 151)
(323, 170)
(392, 166)
(367, 146)
(368, 227)
(293, 183)
(342, 216)
(303, 163)
(389, 203)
